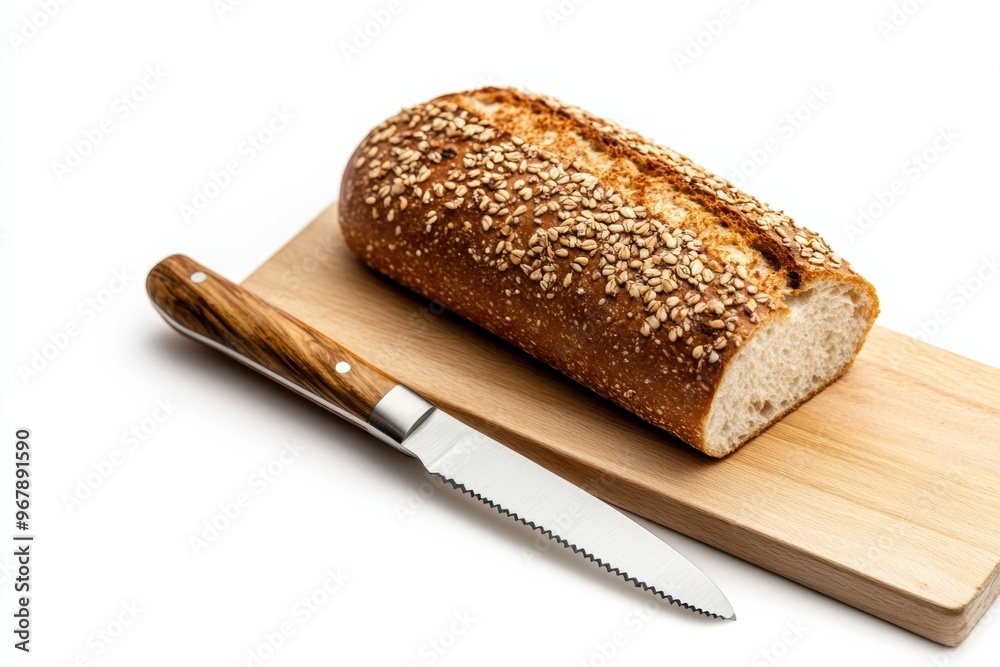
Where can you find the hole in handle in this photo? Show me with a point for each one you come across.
(198, 277)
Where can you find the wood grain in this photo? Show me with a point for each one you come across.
(883, 491)
(253, 330)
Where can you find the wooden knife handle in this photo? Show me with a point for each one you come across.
(212, 310)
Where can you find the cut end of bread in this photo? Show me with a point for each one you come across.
(789, 359)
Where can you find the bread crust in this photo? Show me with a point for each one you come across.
(619, 262)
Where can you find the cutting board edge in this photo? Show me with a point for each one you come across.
(939, 622)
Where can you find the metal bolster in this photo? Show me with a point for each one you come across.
(396, 416)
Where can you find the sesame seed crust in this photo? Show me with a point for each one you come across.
(617, 261)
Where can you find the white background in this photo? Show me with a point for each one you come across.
(886, 96)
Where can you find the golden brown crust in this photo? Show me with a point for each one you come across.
(612, 259)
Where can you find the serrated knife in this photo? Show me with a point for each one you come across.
(225, 316)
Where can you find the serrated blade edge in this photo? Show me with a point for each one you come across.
(520, 488)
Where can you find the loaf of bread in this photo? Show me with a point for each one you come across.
(617, 261)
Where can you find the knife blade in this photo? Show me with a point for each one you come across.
(220, 314)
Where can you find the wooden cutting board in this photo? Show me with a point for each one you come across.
(883, 491)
